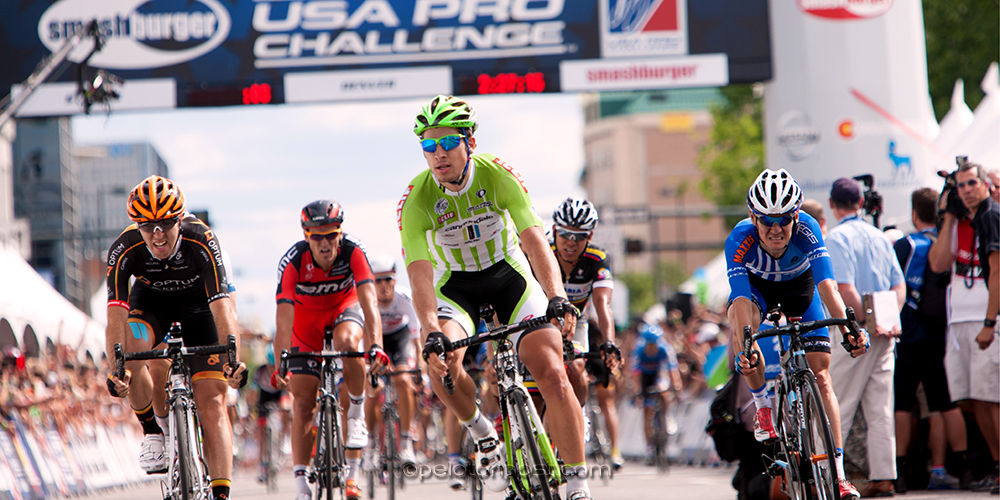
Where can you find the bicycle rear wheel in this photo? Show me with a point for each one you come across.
(817, 443)
(469, 455)
(529, 470)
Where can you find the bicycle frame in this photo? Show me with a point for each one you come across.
(187, 474)
(329, 466)
(526, 442)
(802, 421)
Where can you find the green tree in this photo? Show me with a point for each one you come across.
(640, 292)
(961, 43)
(734, 154)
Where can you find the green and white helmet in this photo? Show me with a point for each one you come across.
(446, 111)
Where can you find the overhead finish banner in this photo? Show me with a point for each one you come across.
(227, 52)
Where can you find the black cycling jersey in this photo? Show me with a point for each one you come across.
(592, 270)
(194, 272)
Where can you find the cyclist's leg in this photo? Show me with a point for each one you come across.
(399, 346)
(576, 370)
(143, 333)
(606, 400)
(541, 352)
(217, 433)
(303, 386)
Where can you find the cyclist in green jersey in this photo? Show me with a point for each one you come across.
(461, 221)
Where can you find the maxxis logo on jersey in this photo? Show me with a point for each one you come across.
(399, 206)
(139, 34)
(845, 10)
(513, 171)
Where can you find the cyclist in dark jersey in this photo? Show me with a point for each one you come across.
(325, 281)
(586, 277)
(777, 257)
(179, 274)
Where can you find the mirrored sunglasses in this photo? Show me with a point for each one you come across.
(325, 236)
(781, 220)
(447, 143)
(162, 224)
(573, 235)
(971, 183)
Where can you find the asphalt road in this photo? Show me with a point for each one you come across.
(633, 482)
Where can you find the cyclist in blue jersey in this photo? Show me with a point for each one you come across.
(776, 257)
(653, 356)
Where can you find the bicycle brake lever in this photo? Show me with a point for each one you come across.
(748, 349)
(119, 362)
(446, 381)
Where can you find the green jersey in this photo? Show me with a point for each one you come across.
(467, 230)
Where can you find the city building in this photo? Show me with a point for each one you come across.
(641, 172)
(45, 194)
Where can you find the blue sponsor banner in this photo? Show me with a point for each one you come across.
(223, 52)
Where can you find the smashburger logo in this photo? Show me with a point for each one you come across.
(139, 34)
(845, 9)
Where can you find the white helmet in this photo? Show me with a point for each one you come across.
(382, 264)
(576, 212)
(774, 193)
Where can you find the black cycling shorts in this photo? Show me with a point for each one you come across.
(399, 347)
(150, 315)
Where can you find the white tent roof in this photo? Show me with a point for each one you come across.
(27, 299)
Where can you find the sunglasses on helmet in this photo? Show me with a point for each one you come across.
(573, 235)
(780, 220)
(332, 235)
(162, 224)
(447, 143)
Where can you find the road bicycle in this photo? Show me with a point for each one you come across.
(532, 468)
(390, 465)
(805, 452)
(187, 470)
(329, 467)
(270, 446)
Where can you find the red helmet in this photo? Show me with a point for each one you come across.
(322, 213)
(155, 198)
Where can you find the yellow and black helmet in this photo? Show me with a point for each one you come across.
(155, 198)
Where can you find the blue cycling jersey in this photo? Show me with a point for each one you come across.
(805, 250)
(650, 365)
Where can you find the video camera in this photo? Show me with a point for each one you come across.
(954, 205)
(873, 199)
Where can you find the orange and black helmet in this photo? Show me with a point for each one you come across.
(155, 198)
(322, 213)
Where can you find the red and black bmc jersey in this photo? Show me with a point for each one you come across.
(195, 269)
(304, 285)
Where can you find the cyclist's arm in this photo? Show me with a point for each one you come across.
(115, 332)
(368, 299)
(741, 314)
(284, 319)
(605, 320)
(831, 297)
(224, 312)
(543, 261)
(851, 298)
(421, 273)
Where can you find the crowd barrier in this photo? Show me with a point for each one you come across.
(40, 462)
(687, 442)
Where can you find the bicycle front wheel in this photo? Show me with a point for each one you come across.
(391, 455)
(325, 452)
(530, 470)
(817, 443)
(183, 461)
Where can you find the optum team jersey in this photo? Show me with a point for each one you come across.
(467, 230)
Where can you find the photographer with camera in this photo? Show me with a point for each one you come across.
(865, 263)
(970, 239)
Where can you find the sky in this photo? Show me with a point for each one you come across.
(254, 168)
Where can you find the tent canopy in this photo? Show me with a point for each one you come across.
(35, 313)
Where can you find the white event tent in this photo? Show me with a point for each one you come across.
(33, 308)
